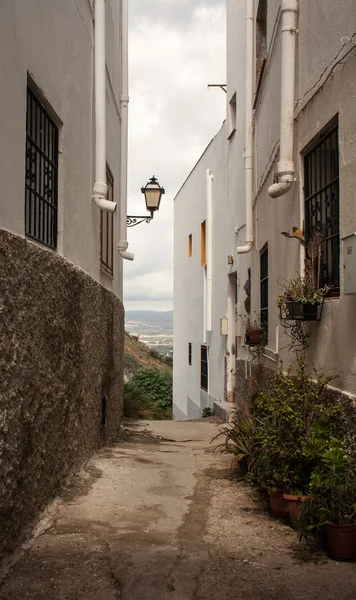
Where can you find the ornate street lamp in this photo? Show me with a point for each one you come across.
(153, 194)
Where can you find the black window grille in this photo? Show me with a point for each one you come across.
(321, 186)
(264, 288)
(41, 186)
(204, 368)
(107, 230)
(189, 354)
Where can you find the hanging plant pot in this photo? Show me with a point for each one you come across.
(254, 338)
(303, 311)
(342, 541)
(278, 505)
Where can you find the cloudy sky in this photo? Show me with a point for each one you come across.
(177, 47)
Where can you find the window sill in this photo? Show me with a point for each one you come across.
(106, 272)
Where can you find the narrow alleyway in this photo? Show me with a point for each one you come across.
(158, 517)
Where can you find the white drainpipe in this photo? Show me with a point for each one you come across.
(209, 249)
(124, 108)
(250, 44)
(100, 189)
(285, 166)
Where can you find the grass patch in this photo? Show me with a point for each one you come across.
(139, 405)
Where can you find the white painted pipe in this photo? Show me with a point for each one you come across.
(250, 44)
(100, 189)
(124, 113)
(231, 362)
(285, 166)
(204, 307)
(209, 249)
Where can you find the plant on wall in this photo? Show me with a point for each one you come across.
(255, 335)
(301, 298)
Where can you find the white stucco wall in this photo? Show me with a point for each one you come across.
(320, 29)
(189, 212)
(53, 42)
(332, 349)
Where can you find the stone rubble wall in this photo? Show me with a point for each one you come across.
(61, 354)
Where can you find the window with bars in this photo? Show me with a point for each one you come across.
(107, 230)
(41, 176)
(321, 187)
(204, 368)
(189, 354)
(261, 42)
(264, 288)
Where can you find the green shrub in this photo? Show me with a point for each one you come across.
(138, 405)
(156, 384)
(290, 425)
(294, 425)
(207, 412)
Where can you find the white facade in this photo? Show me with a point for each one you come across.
(50, 45)
(191, 288)
(324, 94)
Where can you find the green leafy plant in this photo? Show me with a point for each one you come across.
(295, 421)
(207, 412)
(156, 384)
(251, 325)
(332, 489)
(241, 442)
(305, 289)
(281, 439)
(138, 405)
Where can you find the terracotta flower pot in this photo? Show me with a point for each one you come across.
(278, 505)
(294, 503)
(253, 338)
(342, 541)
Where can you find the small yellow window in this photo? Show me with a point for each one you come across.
(203, 244)
(190, 246)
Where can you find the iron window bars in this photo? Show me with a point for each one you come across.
(41, 185)
(321, 167)
(107, 230)
(204, 368)
(264, 288)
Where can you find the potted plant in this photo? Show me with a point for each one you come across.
(333, 503)
(299, 301)
(294, 424)
(294, 503)
(255, 334)
(301, 298)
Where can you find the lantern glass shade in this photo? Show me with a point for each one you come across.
(153, 193)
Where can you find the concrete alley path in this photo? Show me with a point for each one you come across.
(157, 517)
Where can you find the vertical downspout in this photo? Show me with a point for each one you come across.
(250, 45)
(285, 166)
(231, 360)
(209, 248)
(100, 189)
(124, 108)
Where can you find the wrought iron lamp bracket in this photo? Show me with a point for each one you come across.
(133, 220)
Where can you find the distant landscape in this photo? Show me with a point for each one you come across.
(154, 328)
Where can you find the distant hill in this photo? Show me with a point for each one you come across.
(151, 317)
(138, 356)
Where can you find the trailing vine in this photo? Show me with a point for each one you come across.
(295, 330)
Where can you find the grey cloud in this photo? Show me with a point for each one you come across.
(174, 13)
(172, 119)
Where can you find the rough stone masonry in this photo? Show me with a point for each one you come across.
(61, 366)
